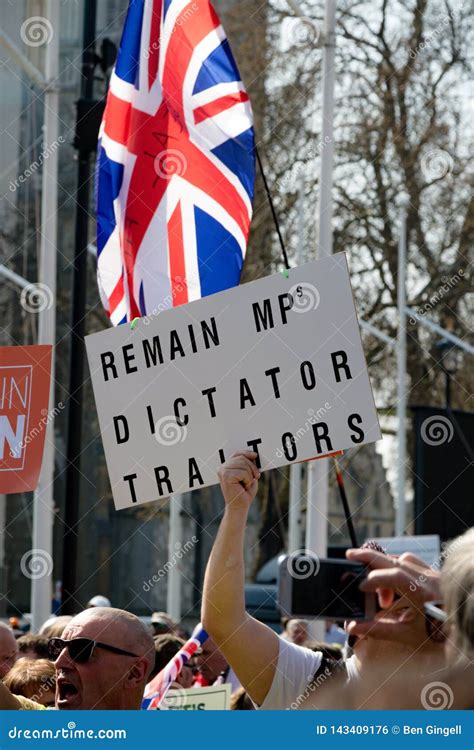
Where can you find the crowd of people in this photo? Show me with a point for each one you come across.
(422, 635)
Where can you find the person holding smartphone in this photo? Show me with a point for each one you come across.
(443, 600)
(274, 672)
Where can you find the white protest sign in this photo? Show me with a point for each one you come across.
(425, 546)
(274, 366)
(214, 698)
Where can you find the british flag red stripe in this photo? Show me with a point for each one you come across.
(176, 162)
(219, 105)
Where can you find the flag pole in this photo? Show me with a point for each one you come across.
(296, 469)
(345, 504)
(175, 543)
(76, 371)
(272, 209)
(325, 207)
(318, 471)
(400, 510)
(43, 499)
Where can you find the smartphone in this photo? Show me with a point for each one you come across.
(321, 589)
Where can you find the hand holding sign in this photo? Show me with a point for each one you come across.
(239, 479)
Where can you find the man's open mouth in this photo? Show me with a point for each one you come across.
(67, 693)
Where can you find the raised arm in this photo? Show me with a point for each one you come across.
(250, 647)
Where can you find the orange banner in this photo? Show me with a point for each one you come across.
(25, 374)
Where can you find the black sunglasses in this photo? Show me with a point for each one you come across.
(80, 650)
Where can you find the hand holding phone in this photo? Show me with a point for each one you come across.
(323, 589)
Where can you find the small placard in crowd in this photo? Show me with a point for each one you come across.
(214, 698)
(25, 373)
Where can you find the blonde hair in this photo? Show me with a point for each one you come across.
(31, 678)
(55, 628)
(457, 584)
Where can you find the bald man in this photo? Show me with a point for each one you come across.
(107, 670)
(8, 649)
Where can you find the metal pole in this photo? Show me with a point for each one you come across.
(296, 470)
(3, 578)
(327, 153)
(317, 488)
(16, 56)
(43, 501)
(301, 221)
(442, 332)
(73, 473)
(400, 511)
(13, 277)
(198, 553)
(294, 517)
(175, 544)
(377, 333)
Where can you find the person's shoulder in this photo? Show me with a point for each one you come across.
(297, 666)
(294, 649)
(292, 655)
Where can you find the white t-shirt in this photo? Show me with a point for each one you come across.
(295, 671)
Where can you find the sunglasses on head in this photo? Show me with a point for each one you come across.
(435, 621)
(80, 650)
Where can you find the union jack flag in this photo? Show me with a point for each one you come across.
(156, 690)
(175, 167)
